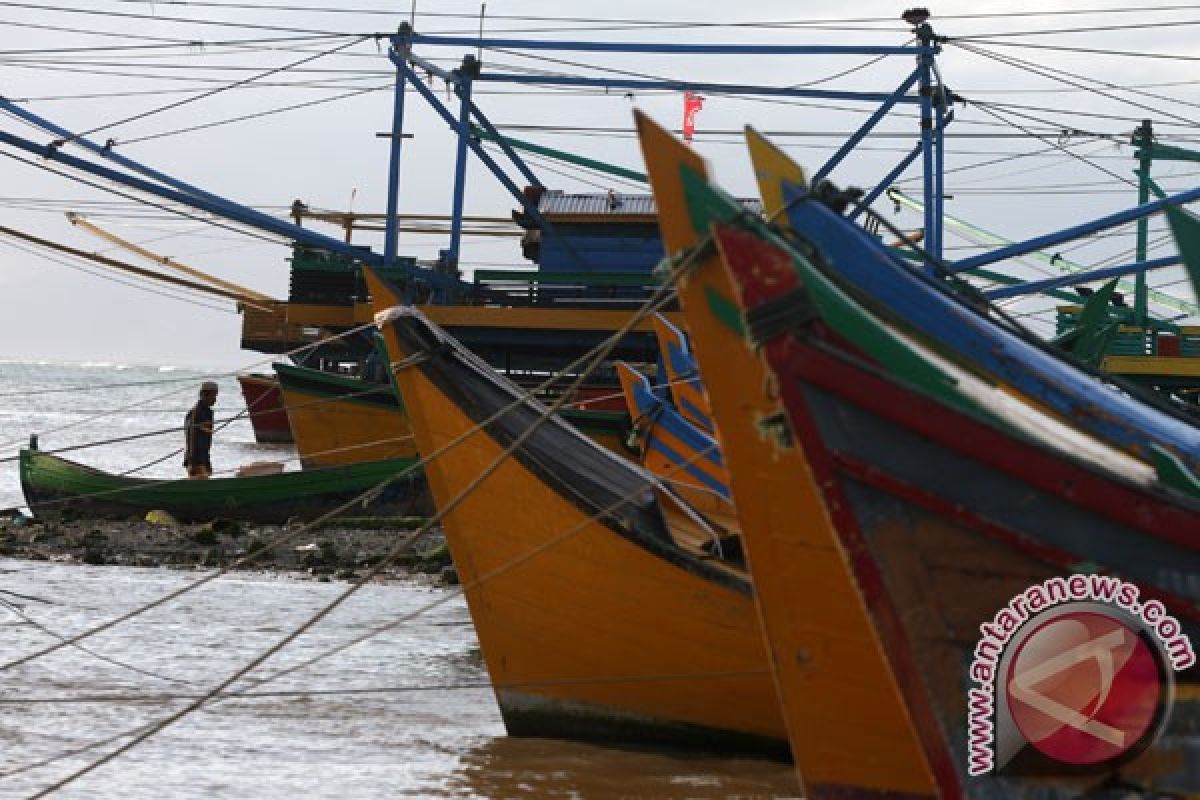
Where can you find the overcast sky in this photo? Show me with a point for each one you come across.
(329, 156)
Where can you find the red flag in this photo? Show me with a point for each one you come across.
(692, 103)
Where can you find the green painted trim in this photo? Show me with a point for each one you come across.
(330, 386)
(725, 310)
(48, 472)
(562, 155)
(1173, 473)
(709, 205)
(533, 277)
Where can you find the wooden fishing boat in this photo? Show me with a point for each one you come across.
(674, 449)
(849, 727)
(264, 406)
(340, 419)
(952, 514)
(682, 374)
(595, 621)
(54, 485)
(949, 495)
(961, 329)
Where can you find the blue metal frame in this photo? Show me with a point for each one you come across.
(887, 181)
(927, 187)
(1076, 278)
(865, 128)
(391, 226)
(1067, 234)
(500, 140)
(466, 73)
(238, 213)
(530, 207)
(472, 42)
(103, 151)
(694, 86)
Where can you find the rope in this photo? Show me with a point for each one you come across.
(15, 609)
(233, 373)
(662, 295)
(374, 632)
(288, 536)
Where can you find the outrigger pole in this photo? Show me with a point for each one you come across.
(205, 201)
(400, 53)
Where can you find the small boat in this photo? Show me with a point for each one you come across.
(55, 485)
(264, 406)
(850, 731)
(683, 377)
(340, 419)
(596, 621)
(686, 457)
(949, 495)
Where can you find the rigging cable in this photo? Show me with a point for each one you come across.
(218, 90)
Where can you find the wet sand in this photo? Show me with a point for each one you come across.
(335, 551)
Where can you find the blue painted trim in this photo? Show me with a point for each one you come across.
(696, 412)
(649, 406)
(707, 480)
(916, 302)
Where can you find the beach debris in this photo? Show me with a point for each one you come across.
(159, 517)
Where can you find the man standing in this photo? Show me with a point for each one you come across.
(198, 431)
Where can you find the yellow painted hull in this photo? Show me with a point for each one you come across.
(850, 731)
(588, 630)
(331, 432)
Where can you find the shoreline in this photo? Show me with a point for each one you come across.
(338, 550)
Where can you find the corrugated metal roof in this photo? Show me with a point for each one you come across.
(611, 204)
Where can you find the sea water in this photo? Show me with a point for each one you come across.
(67, 405)
(405, 713)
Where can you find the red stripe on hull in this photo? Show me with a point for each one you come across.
(264, 402)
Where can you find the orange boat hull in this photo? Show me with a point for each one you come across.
(335, 420)
(590, 628)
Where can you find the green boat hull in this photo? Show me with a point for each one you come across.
(55, 485)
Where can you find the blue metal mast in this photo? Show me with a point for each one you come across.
(391, 232)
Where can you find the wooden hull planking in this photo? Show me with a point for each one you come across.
(949, 517)
(593, 628)
(338, 420)
(851, 732)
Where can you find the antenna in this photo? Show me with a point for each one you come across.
(482, 12)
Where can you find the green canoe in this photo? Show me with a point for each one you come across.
(53, 485)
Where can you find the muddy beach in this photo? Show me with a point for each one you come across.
(338, 550)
